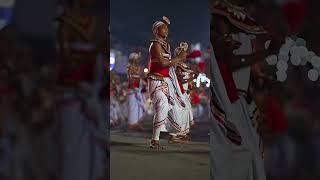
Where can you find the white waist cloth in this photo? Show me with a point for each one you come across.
(173, 109)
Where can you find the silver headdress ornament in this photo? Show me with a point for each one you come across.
(166, 20)
(157, 24)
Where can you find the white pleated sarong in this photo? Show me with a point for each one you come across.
(172, 108)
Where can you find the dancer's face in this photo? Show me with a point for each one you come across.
(163, 31)
(135, 61)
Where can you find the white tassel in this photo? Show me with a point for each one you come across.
(313, 74)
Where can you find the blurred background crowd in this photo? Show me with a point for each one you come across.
(34, 134)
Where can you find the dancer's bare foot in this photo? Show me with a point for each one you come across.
(175, 140)
(184, 137)
(155, 144)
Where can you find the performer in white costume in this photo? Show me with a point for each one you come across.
(234, 142)
(80, 109)
(123, 103)
(114, 109)
(115, 114)
(136, 101)
(164, 88)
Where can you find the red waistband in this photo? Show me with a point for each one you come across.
(134, 84)
(156, 68)
(83, 72)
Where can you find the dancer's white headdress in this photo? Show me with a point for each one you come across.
(157, 24)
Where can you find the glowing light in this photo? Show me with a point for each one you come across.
(313, 74)
(295, 60)
(112, 61)
(294, 50)
(281, 76)
(310, 55)
(272, 60)
(146, 70)
(300, 42)
(282, 65)
(315, 61)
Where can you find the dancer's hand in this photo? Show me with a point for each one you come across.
(182, 56)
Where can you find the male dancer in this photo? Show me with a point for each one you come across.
(164, 87)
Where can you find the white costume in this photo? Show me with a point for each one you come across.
(114, 109)
(234, 141)
(83, 127)
(172, 111)
(136, 105)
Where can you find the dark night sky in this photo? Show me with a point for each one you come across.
(131, 20)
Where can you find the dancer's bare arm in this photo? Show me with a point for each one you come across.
(156, 51)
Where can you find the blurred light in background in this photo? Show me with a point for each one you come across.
(6, 7)
(112, 60)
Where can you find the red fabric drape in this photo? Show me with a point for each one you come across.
(294, 13)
